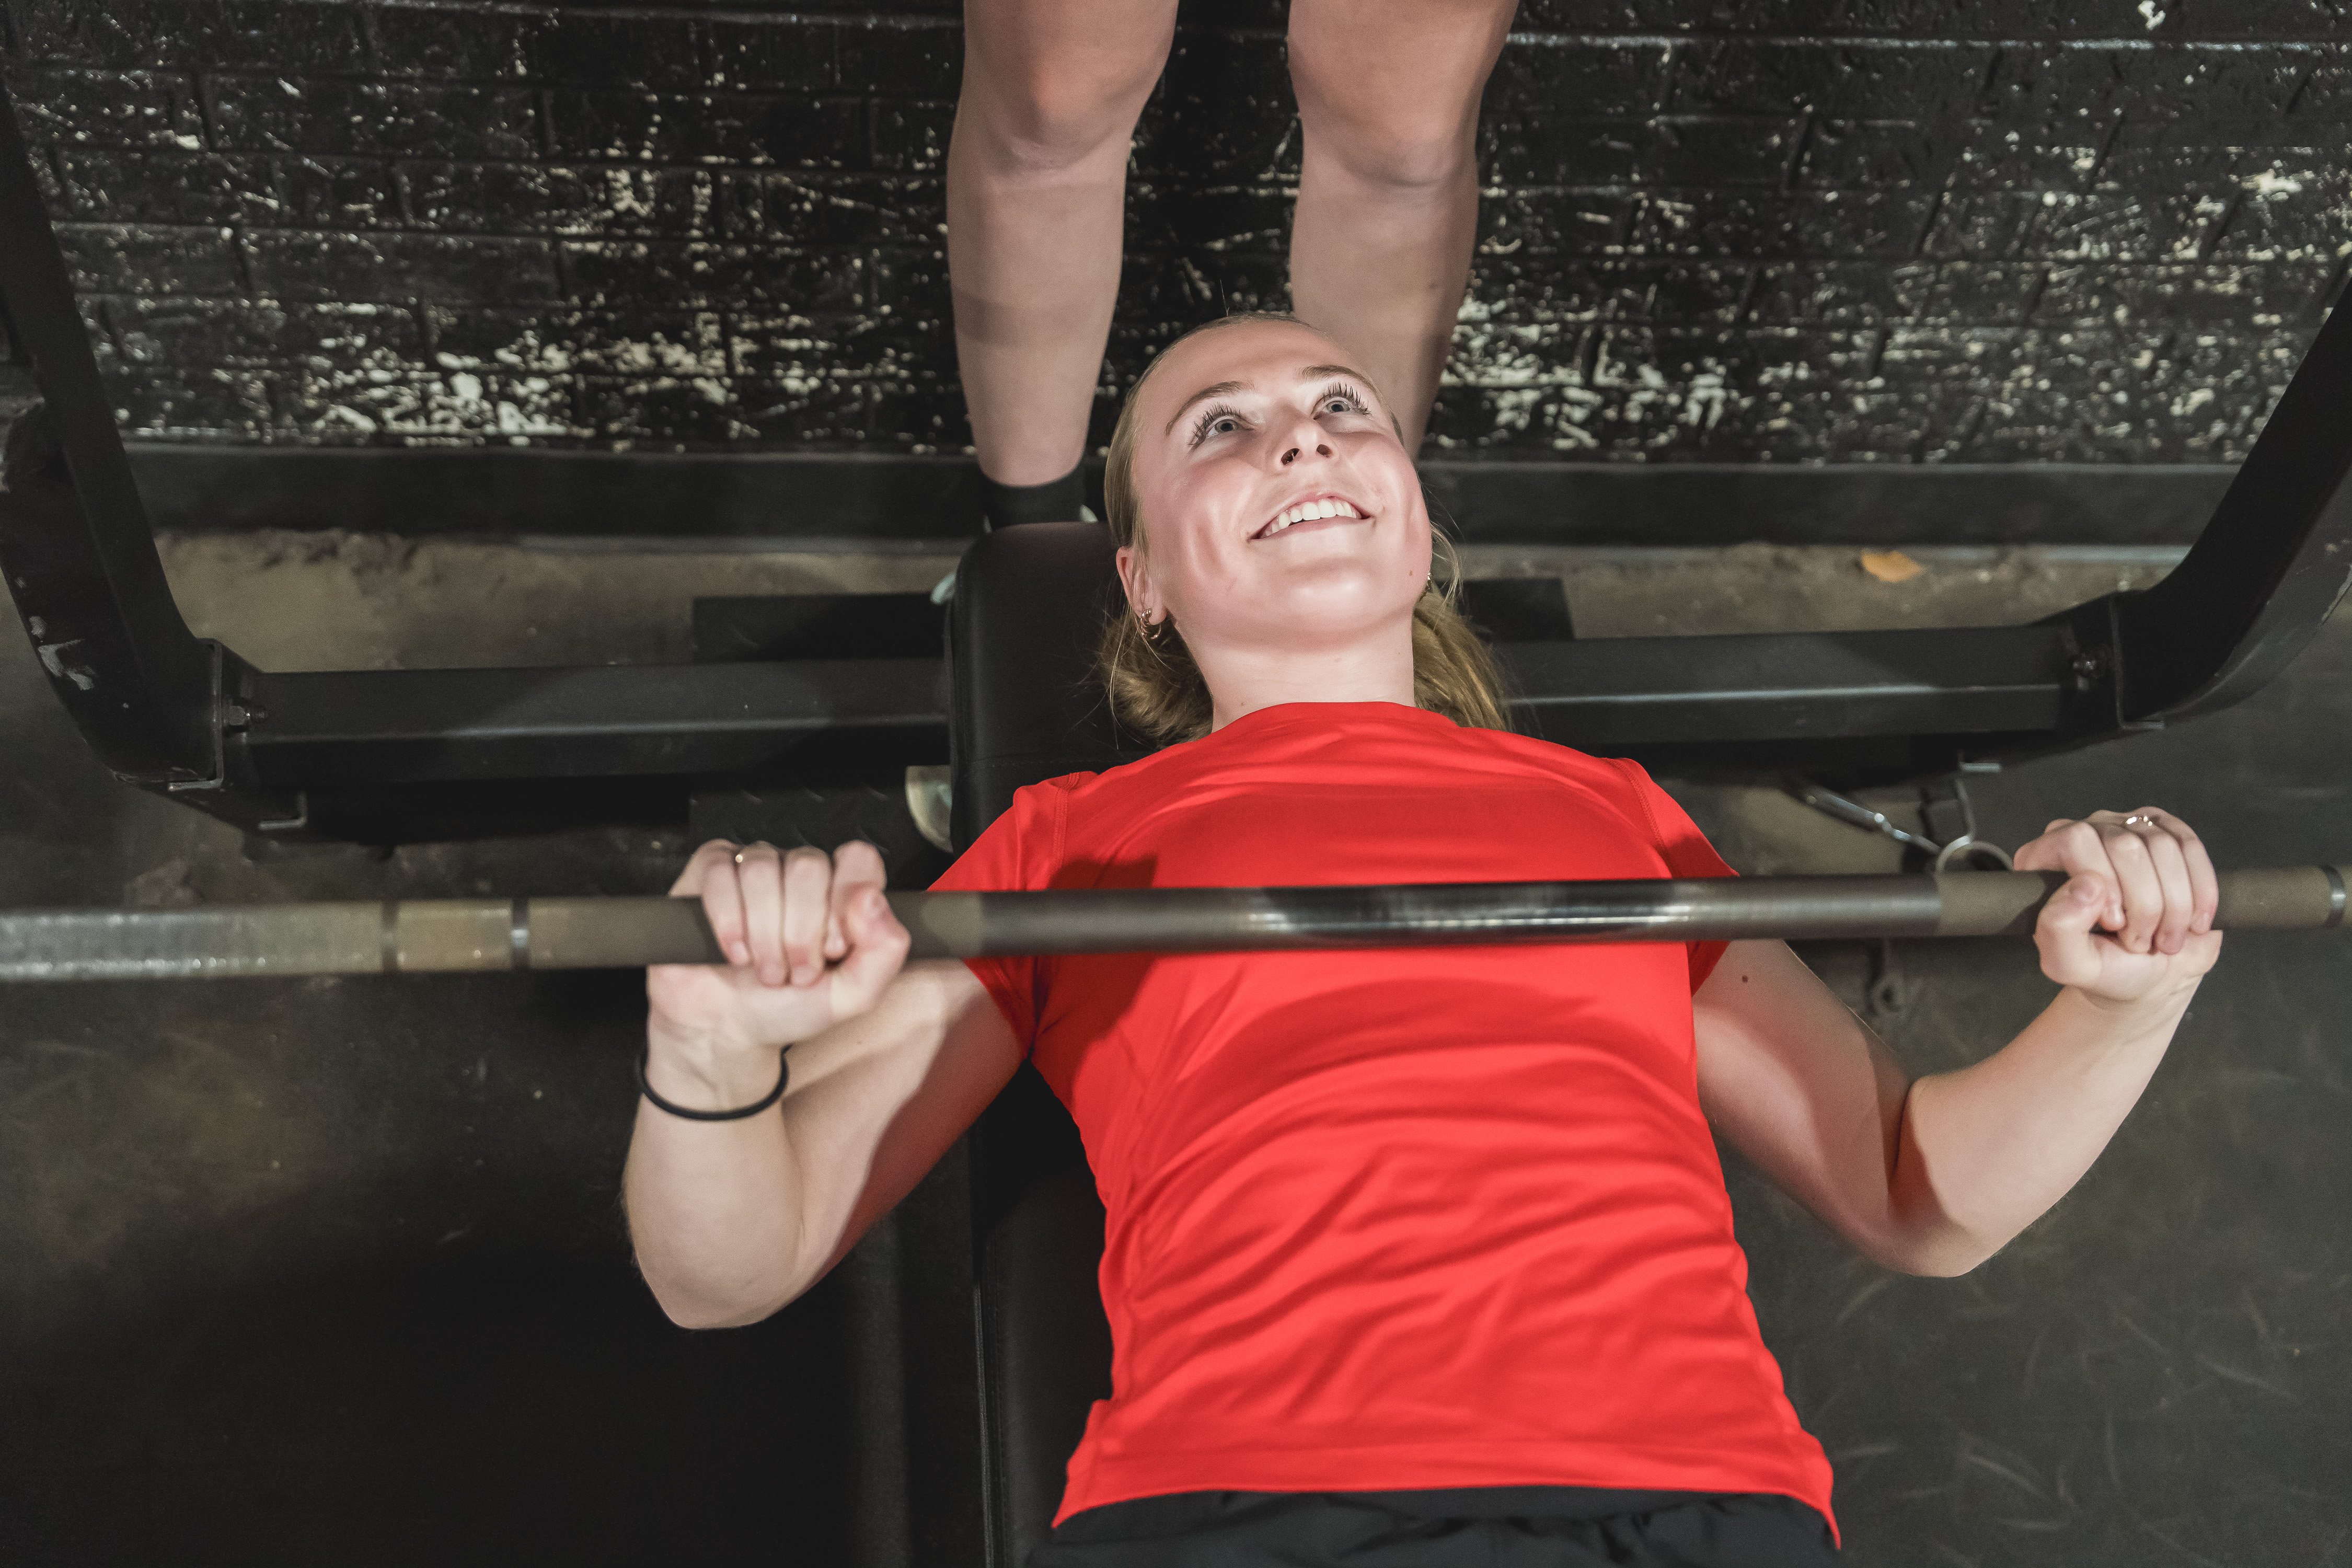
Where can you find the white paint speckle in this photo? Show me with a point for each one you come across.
(2152, 14)
(1526, 386)
(628, 194)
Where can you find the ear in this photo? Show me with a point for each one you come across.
(1135, 576)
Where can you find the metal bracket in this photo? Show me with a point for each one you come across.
(2095, 698)
(218, 775)
(226, 791)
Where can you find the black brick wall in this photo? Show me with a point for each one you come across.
(1728, 231)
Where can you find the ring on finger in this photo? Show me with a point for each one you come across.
(2139, 819)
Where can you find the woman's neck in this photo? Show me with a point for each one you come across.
(1244, 680)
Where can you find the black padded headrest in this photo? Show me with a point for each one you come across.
(1030, 603)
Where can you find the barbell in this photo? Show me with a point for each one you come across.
(453, 935)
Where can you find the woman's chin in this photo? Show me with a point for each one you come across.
(1336, 567)
(1319, 616)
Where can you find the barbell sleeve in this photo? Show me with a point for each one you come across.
(456, 935)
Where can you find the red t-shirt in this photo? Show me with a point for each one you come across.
(1404, 1217)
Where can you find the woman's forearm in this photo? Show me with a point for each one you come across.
(733, 1219)
(715, 1208)
(1985, 1150)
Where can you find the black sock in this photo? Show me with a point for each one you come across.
(1055, 501)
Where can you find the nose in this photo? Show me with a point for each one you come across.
(1306, 436)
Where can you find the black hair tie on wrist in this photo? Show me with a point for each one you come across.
(783, 1077)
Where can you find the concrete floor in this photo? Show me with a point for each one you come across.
(331, 1270)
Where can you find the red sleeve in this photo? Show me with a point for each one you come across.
(1685, 850)
(1019, 852)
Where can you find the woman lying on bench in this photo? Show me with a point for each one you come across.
(1414, 1254)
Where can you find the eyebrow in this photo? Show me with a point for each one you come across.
(1227, 388)
(1223, 389)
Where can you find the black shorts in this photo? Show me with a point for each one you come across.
(1465, 1527)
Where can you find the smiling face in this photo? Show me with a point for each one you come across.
(1278, 510)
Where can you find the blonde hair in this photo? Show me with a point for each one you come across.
(1157, 691)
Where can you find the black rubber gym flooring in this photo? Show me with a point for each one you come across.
(332, 1271)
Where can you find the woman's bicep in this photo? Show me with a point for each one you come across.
(1803, 1088)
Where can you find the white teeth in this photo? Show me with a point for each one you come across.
(1309, 511)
